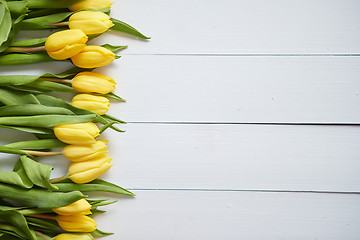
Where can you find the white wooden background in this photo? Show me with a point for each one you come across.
(242, 120)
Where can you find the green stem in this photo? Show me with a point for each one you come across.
(43, 236)
(59, 179)
(39, 153)
(43, 216)
(56, 80)
(59, 24)
(25, 49)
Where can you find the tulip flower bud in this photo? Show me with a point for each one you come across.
(68, 236)
(87, 171)
(80, 153)
(79, 207)
(76, 223)
(65, 44)
(77, 133)
(96, 104)
(91, 5)
(93, 82)
(93, 56)
(90, 22)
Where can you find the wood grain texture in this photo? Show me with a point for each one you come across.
(179, 215)
(250, 157)
(232, 89)
(242, 27)
(238, 89)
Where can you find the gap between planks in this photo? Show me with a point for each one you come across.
(255, 123)
(238, 190)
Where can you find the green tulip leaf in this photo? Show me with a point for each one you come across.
(94, 186)
(17, 8)
(32, 109)
(24, 58)
(43, 12)
(18, 178)
(50, 3)
(45, 120)
(37, 144)
(44, 86)
(29, 42)
(112, 118)
(15, 80)
(51, 101)
(126, 28)
(38, 173)
(10, 232)
(34, 130)
(44, 22)
(6, 149)
(100, 233)
(113, 96)
(14, 32)
(41, 198)
(48, 226)
(67, 74)
(18, 221)
(114, 49)
(13, 97)
(5, 22)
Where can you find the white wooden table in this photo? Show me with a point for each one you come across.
(242, 120)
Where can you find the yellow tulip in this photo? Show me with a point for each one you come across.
(68, 236)
(90, 22)
(93, 56)
(65, 44)
(79, 207)
(93, 82)
(87, 171)
(80, 153)
(96, 104)
(91, 5)
(76, 223)
(77, 133)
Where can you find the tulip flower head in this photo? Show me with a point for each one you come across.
(87, 171)
(65, 44)
(91, 5)
(68, 236)
(80, 153)
(93, 56)
(77, 133)
(96, 104)
(76, 223)
(93, 82)
(90, 22)
(79, 207)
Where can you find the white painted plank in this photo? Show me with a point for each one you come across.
(179, 215)
(238, 27)
(232, 89)
(315, 158)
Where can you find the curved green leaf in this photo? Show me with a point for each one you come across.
(32, 109)
(114, 49)
(37, 144)
(38, 173)
(5, 22)
(50, 3)
(18, 220)
(23, 58)
(14, 97)
(15, 178)
(5, 149)
(41, 198)
(17, 8)
(34, 130)
(44, 22)
(94, 186)
(29, 42)
(45, 120)
(16, 79)
(126, 28)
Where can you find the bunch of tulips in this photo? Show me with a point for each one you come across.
(32, 205)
